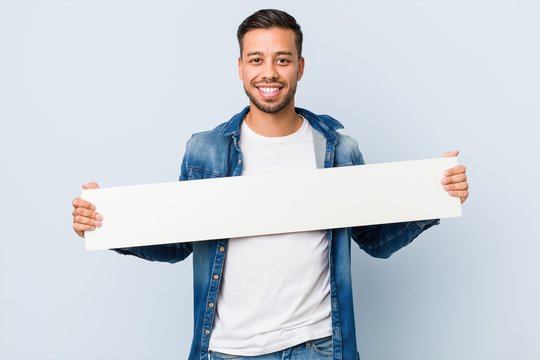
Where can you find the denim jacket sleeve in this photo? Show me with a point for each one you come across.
(164, 253)
(383, 240)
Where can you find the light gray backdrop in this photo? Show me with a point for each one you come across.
(111, 90)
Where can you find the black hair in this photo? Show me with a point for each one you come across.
(267, 19)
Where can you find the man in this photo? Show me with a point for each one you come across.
(285, 296)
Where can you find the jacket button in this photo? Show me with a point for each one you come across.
(211, 305)
(207, 331)
(239, 161)
(221, 248)
(216, 276)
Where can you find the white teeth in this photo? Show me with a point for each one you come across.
(268, 90)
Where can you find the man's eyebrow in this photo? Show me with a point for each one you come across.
(284, 52)
(259, 53)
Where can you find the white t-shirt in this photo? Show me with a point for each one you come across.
(275, 290)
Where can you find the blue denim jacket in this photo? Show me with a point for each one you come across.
(216, 153)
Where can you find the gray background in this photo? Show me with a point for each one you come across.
(111, 90)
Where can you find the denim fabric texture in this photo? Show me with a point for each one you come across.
(216, 153)
(318, 349)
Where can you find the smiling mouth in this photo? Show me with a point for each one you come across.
(269, 91)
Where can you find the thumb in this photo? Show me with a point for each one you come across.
(92, 185)
(452, 153)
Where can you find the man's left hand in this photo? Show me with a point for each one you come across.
(455, 179)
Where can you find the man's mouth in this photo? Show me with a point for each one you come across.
(269, 91)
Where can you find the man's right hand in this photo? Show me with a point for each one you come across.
(85, 217)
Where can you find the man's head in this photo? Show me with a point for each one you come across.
(270, 62)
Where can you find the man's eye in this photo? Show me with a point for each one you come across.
(256, 60)
(283, 61)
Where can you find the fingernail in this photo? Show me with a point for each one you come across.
(443, 181)
(97, 223)
(446, 187)
(446, 173)
(93, 207)
(99, 217)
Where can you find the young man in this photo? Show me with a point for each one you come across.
(285, 296)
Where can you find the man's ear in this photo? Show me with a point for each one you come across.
(301, 65)
(240, 72)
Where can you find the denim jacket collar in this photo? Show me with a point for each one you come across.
(324, 124)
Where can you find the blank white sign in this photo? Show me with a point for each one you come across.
(270, 204)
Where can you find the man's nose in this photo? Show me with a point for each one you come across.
(269, 71)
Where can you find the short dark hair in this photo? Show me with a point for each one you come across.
(267, 19)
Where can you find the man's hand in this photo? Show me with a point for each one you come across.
(455, 179)
(85, 217)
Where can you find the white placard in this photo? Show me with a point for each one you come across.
(270, 204)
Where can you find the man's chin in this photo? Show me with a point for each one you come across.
(269, 106)
(269, 109)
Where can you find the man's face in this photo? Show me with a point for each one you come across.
(269, 68)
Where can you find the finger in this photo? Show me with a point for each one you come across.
(78, 202)
(91, 185)
(460, 169)
(452, 153)
(462, 194)
(83, 212)
(457, 186)
(87, 213)
(79, 232)
(454, 179)
(81, 228)
(78, 219)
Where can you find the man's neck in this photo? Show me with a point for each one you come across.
(282, 123)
